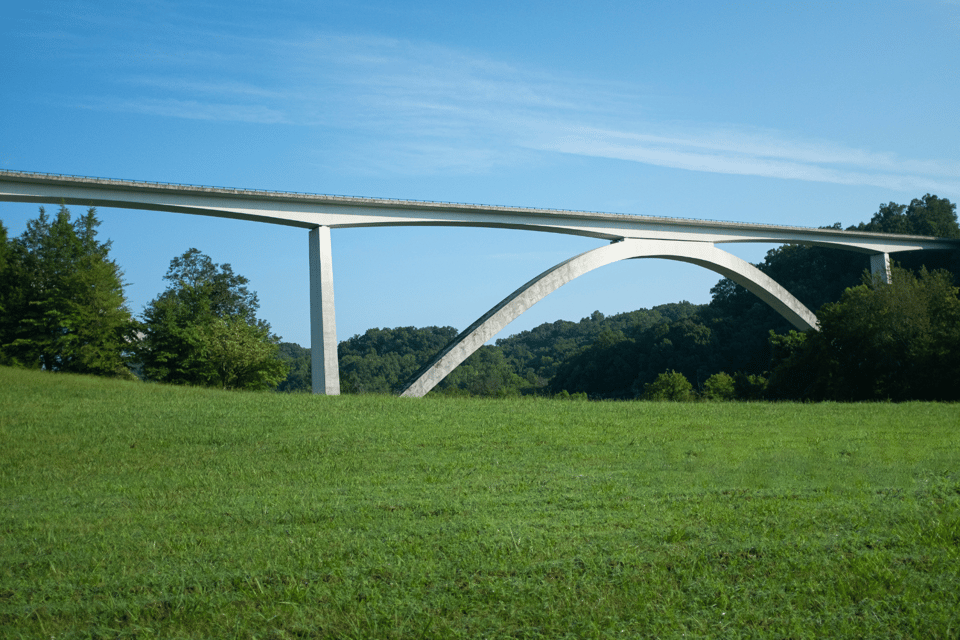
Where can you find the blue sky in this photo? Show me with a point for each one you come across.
(804, 113)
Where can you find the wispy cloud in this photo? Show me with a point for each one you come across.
(214, 88)
(420, 108)
(189, 109)
(766, 154)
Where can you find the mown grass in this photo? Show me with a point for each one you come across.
(132, 510)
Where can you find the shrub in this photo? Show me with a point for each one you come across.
(749, 387)
(719, 386)
(671, 386)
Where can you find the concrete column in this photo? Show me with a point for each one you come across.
(880, 265)
(323, 321)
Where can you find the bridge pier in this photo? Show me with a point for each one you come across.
(323, 321)
(880, 265)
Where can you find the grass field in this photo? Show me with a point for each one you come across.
(133, 510)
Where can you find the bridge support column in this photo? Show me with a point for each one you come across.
(323, 321)
(880, 265)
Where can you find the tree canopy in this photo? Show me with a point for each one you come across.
(669, 386)
(299, 378)
(62, 306)
(926, 216)
(897, 341)
(203, 330)
(381, 360)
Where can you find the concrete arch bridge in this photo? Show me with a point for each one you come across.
(630, 237)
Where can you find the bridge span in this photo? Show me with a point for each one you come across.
(631, 236)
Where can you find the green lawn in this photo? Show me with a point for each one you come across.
(134, 510)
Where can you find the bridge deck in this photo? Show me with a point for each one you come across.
(308, 210)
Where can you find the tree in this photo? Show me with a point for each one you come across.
(749, 386)
(7, 287)
(719, 386)
(670, 386)
(898, 341)
(4, 250)
(301, 371)
(381, 360)
(536, 355)
(927, 216)
(619, 364)
(485, 373)
(62, 299)
(793, 381)
(241, 355)
(203, 330)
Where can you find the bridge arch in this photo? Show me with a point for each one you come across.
(510, 308)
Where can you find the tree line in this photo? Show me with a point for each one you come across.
(62, 308)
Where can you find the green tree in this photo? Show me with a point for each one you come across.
(537, 354)
(8, 285)
(203, 330)
(749, 386)
(62, 299)
(898, 341)
(814, 275)
(619, 364)
(670, 386)
(793, 381)
(301, 371)
(485, 373)
(926, 216)
(4, 250)
(605, 369)
(719, 386)
(381, 360)
(241, 354)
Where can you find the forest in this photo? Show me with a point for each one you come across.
(62, 308)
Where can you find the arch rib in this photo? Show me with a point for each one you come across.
(700, 253)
